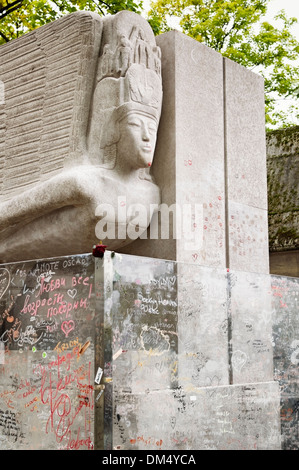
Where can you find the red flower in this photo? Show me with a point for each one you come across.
(98, 250)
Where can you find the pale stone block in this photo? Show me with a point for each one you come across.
(189, 158)
(245, 136)
(163, 335)
(247, 238)
(246, 173)
(141, 322)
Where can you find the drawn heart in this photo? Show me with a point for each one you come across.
(239, 359)
(4, 281)
(213, 383)
(67, 327)
(72, 293)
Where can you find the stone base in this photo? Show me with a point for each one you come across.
(237, 417)
(285, 263)
(170, 357)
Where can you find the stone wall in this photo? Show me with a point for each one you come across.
(283, 200)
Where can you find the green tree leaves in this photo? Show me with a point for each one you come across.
(20, 17)
(236, 29)
(7, 7)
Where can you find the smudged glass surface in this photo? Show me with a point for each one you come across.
(132, 352)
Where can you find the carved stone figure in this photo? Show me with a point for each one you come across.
(111, 149)
(123, 58)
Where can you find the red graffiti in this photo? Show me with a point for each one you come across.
(57, 378)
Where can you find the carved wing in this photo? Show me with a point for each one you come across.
(48, 76)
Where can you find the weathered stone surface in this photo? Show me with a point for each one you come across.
(211, 152)
(285, 263)
(45, 320)
(250, 307)
(48, 78)
(248, 238)
(245, 136)
(81, 118)
(203, 329)
(189, 159)
(183, 342)
(246, 173)
(285, 298)
(144, 358)
(239, 417)
(283, 190)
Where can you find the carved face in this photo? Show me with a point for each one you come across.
(137, 141)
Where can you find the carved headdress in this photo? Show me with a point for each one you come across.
(128, 78)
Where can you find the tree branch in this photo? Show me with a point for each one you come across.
(98, 7)
(107, 5)
(221, 43)
(4, 37)
(60, 8)
(9, 5)
(9, 8)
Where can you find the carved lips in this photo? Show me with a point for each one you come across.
(147, 148)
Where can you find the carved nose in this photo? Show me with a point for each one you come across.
(145, 133)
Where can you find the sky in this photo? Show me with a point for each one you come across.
(291, 8)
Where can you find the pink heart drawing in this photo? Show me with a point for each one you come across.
(67, 327)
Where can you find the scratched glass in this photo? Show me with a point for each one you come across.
(125, 352)
(47, 335)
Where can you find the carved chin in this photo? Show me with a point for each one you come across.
(145, 158)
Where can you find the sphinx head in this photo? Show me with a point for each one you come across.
(127, 100)
(129, 137)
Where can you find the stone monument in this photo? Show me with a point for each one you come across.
(179, 337)
(81, 120)
(211, 154)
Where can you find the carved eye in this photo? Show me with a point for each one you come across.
(152, 129)
(134, 123)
